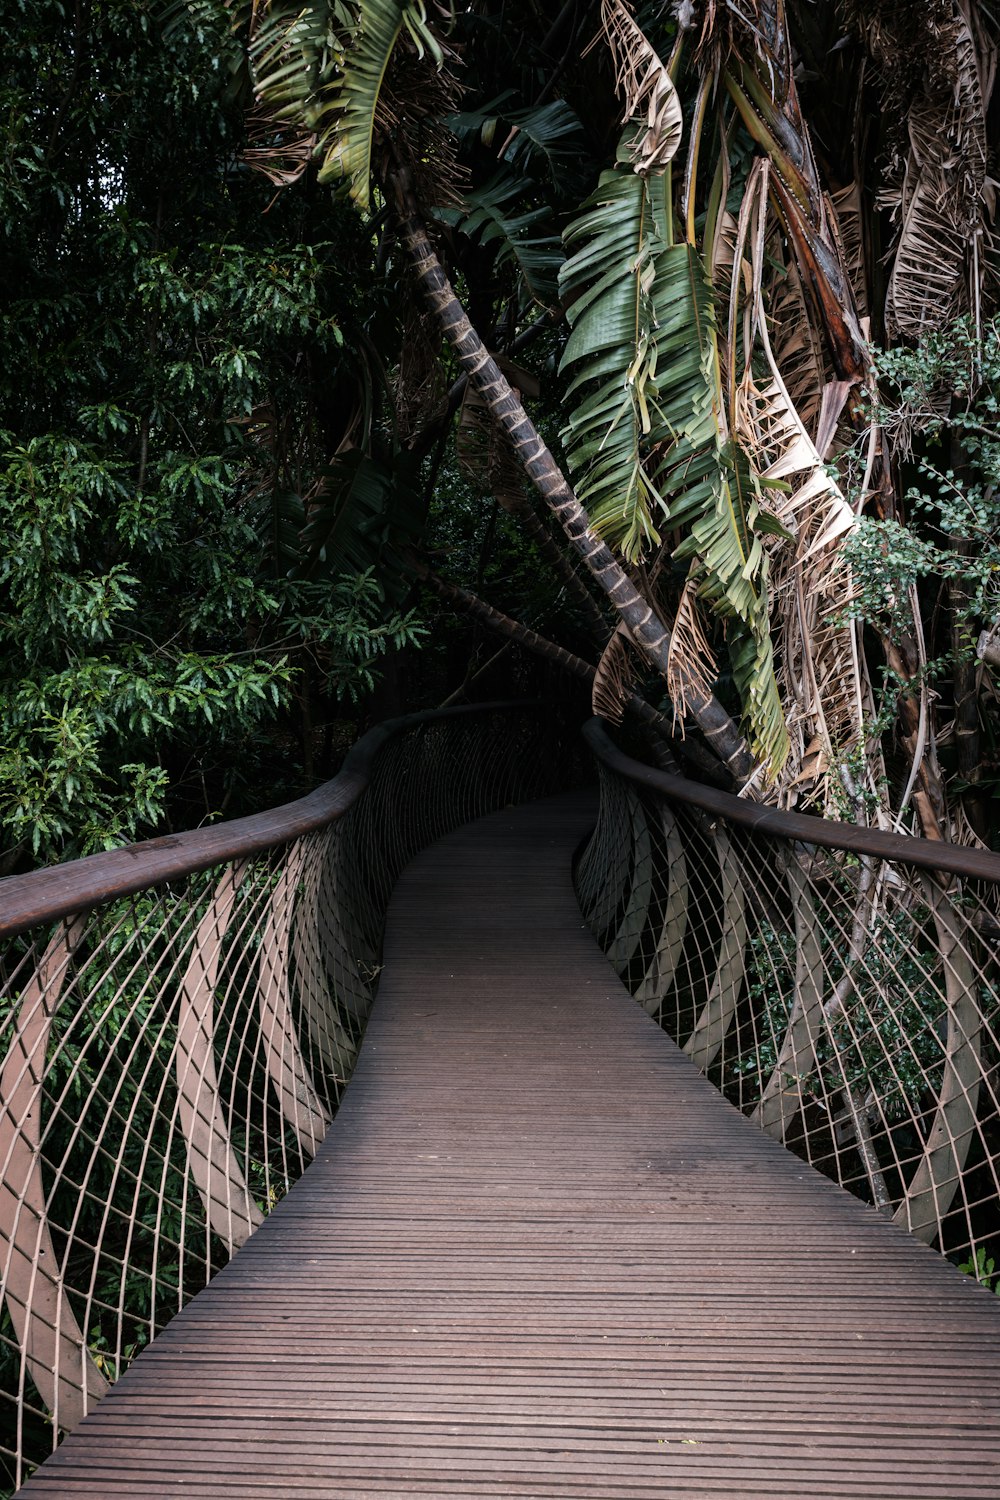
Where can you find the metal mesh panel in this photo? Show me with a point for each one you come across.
(172, 1060)
(846, 1002)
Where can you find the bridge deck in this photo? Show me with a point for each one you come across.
(539, 1256)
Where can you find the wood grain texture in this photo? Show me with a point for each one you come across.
(539, 1256)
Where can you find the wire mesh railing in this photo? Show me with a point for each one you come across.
(177, 1022)
(838, 985)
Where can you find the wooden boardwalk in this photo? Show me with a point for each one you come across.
(538, 1255)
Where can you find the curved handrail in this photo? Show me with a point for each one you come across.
(826, 833)
(57, 891)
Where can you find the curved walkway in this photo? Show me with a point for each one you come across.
(538, 1255)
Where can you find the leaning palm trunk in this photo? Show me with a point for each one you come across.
(644, 626)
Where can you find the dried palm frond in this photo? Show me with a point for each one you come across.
(811, 586)
(928, 285)
(813, 508)
(798, 347)
(847, 220)
(614, 680)
(484, 452)
(724, 247)
(691, 662)
(415, 100)
(962, 831)
(482, 448)
(763, 89)
(938, 67)
(645, 85)
(831, 408)
(280, 153)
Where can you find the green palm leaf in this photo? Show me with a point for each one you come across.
(711, 490)
(321, 66)
(645, 441)
(494, 216)
(610, 286)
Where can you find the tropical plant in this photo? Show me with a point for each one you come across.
(715, 295)
(656, 298)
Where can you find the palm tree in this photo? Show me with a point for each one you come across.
(718, 290)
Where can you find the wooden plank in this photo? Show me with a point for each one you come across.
(538, 1256)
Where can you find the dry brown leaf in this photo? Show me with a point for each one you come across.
(691, 661)
(614, 680)
(798, 347)
(847, 221)
(646, 87)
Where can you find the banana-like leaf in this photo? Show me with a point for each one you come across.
(647, 89)
(551, 133)
(712, 491)
(692, 662)
(810, 585)
(613, 295)
(345, 140)
(644, 374)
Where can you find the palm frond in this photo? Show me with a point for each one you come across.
(810, 583)
(812, 506)
(938, 66)
(484, 453)
(612, 292)
(550, 132)
(347, 105)
(692, 663)
(319, 68)
(847, 220)
(494, 215)
(798, 345)
(614, 679)
(711, 490)
(644, 371)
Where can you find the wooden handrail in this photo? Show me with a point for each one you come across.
(58, 890)
(827, 833)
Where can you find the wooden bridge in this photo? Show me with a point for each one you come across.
(542, 1249)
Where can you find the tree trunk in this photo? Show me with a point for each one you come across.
(645, 628)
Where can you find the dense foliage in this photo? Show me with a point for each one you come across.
(172, 351)
(726, 274)
(757, 345)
